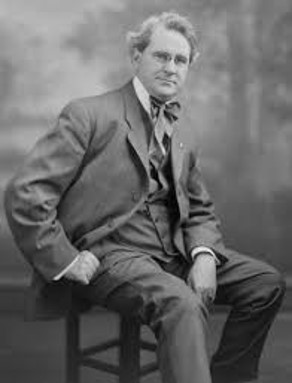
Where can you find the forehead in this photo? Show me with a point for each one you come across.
(169, 40)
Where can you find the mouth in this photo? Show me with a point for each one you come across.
(167, 81)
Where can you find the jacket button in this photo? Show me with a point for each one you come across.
(181, 145)
(135, 196)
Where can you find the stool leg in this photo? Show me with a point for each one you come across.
(72, 348)
(129, 350)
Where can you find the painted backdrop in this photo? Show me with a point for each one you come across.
(239, 93)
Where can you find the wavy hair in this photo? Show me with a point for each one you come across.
(140, 39)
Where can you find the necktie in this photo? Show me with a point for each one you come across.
(163, 114)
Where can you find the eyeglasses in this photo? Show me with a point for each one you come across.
(179, 60)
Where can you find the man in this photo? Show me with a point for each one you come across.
(110, 205)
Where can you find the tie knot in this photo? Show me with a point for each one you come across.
(170, 109)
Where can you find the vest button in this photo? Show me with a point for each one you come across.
(110, 223)
(146, 211)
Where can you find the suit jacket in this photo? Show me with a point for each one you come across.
(85, 178)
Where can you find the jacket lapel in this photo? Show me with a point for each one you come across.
(136, 135)
(177, 152)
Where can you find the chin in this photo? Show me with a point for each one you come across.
(165, 94)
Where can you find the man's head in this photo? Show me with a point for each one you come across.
(161, 52)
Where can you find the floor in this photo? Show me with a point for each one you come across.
(33, 352)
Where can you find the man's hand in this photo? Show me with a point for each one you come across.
(83, 269)
(202, 277)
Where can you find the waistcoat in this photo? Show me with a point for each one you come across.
(150, 229)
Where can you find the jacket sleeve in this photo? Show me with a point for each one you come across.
(33, 195)
(202, 228)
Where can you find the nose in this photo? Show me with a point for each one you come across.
(170, 66)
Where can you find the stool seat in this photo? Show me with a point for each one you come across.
(129, 343)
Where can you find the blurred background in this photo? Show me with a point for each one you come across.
(239, 93)
(240, 96)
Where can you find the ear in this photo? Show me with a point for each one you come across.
(136, 57)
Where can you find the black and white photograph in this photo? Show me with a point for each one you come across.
(145, 191)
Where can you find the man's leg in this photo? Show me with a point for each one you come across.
(255, 291)
(139, 286)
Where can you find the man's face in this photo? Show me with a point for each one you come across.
(163, 66)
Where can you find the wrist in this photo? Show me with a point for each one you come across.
(204, 251)
(206, 256)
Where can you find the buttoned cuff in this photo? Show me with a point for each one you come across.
(64, 271)
(204, 249)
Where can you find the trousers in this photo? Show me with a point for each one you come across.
(133, 283)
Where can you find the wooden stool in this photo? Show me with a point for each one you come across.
(129, 343)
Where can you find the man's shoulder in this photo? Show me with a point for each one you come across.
(108, 101)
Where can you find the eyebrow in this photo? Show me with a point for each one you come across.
(162, 52)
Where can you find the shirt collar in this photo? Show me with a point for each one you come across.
(142, 94)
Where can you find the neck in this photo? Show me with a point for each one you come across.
(161, 98)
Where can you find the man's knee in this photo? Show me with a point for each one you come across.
(177, 304)
(271, 287)
(276, 282)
